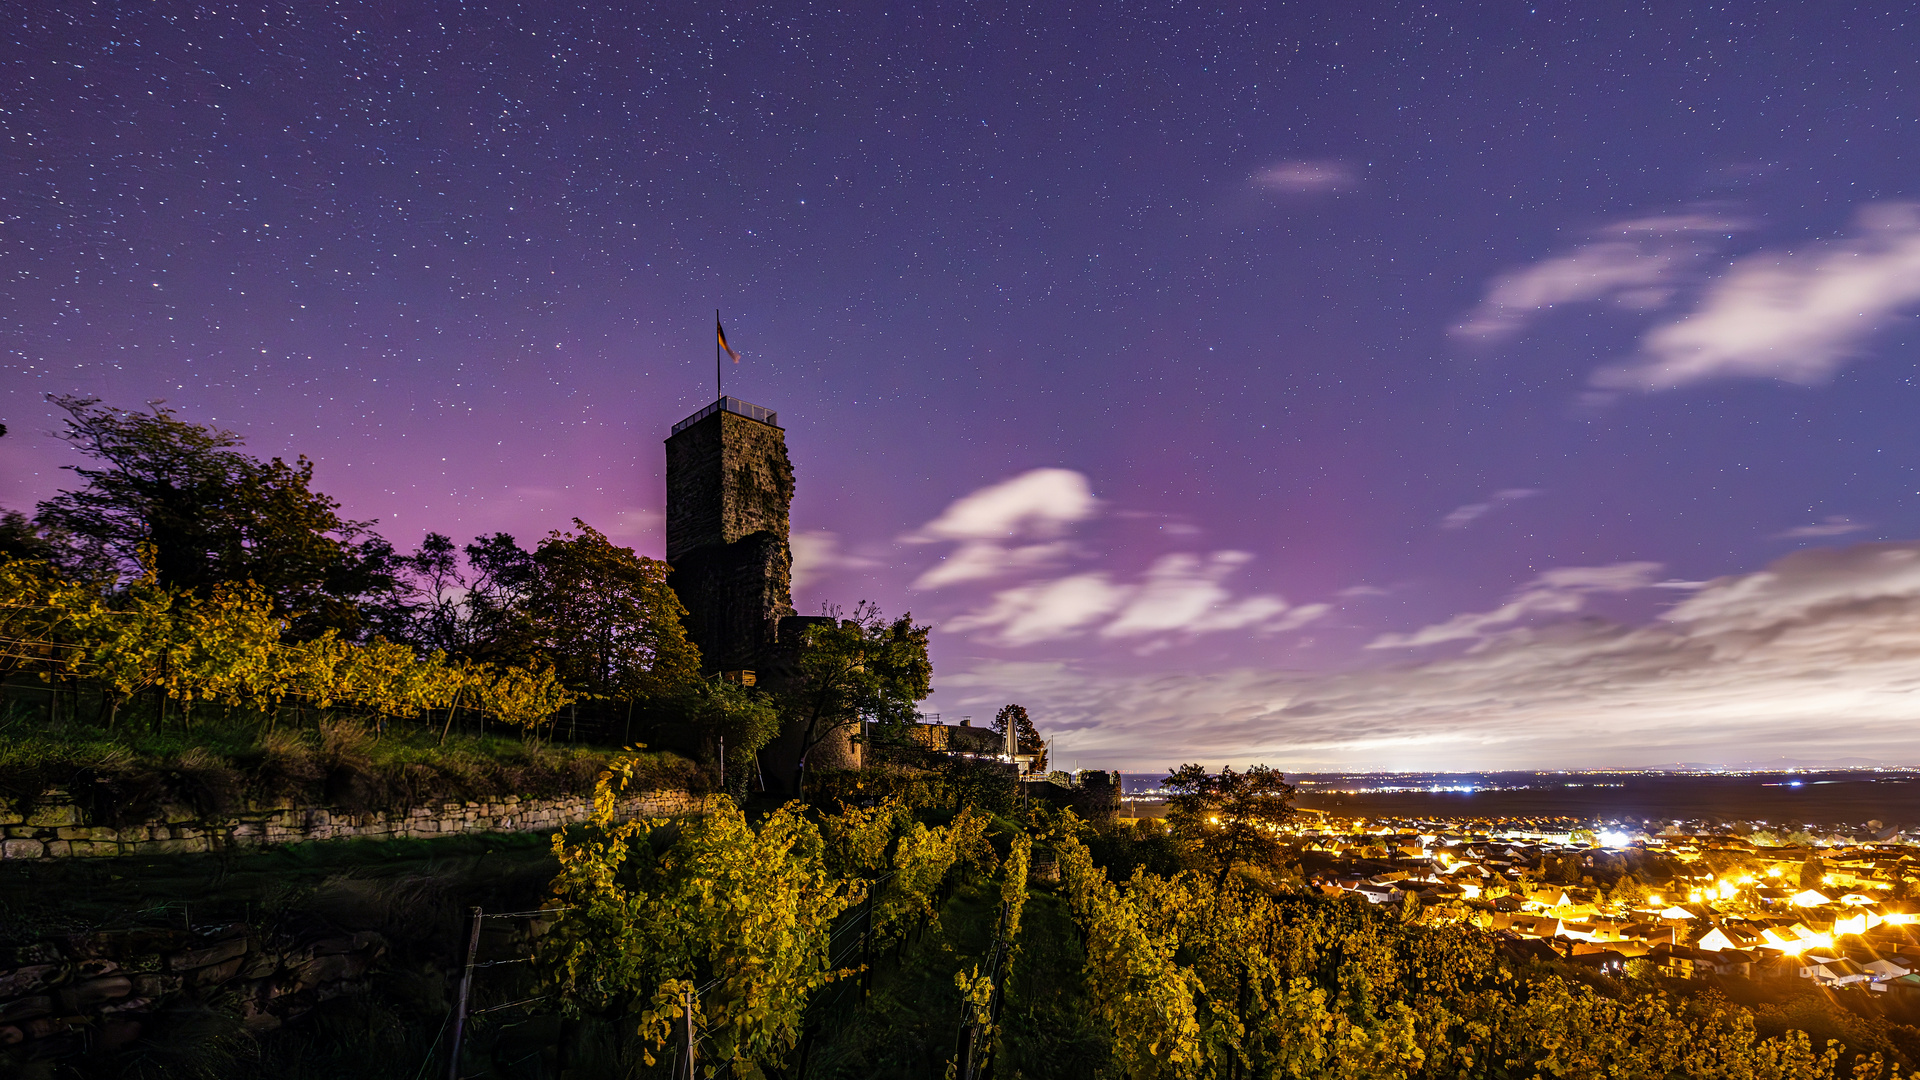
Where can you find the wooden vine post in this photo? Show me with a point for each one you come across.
(466, 986)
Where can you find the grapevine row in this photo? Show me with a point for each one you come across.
(230, 647)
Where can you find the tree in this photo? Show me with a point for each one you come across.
(1230, 815)
(1628, 892)
(212, 515)
(21, 539)
(1813, 872)
(598, 613)
(740, 718)
(862, 669)
(1027, 737)
(474, 609)
(607, 619)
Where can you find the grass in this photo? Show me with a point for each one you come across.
(226, 763)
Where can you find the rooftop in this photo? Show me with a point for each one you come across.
(733, 405)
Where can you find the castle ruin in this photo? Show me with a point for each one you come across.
(729, 491)
(729, 488)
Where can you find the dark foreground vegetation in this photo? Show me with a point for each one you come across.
(937, 926)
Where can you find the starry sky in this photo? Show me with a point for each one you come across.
(1346, 386)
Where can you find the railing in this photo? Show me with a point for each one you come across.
(735, 406)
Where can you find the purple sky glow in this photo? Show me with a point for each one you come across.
(1518, 385)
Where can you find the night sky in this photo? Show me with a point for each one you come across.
(1338, 385)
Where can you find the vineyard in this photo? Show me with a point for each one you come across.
(924, 937)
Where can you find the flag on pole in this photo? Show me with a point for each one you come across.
(721, 332)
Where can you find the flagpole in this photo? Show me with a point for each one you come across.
(717, 394)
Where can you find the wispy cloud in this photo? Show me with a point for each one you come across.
(1180, 595)
(1677, 225)
(1038, 505)
(1796, 317)
(1633, 275)
(1183, 593)
(1561, 591)
(1834, 525)
(981, 560)
(1039, 502)
(1462, 516)
(1044, 611)
(1816, 657)
(1017, 529)
(1306, 177)
(817, 555)
(1637, 264)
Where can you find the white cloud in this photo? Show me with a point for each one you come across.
(1462, 516)
(1635, 274)
(1560, 591)
(1180, 594)
(1816, 658)
(1834, 525)
(1639, 264)
(1805, 586)
(1297, 618)
(1796, 317)
(1039, 502)
(1046, 610)
(817, 555)
(1183, 592)
(980, 560)
(1305, 177)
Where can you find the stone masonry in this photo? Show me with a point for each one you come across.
(65, 996)
(729, 487)
(57, 828)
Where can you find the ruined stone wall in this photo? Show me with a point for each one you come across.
(57, 828)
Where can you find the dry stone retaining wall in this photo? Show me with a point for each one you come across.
(99, 991)
(57, 828)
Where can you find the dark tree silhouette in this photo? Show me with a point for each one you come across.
(1230, 815)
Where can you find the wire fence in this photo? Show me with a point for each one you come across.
(853, 937)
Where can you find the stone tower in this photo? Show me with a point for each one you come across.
(729, 486)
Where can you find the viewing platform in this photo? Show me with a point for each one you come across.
(733, 405)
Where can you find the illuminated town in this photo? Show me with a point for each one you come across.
(1688, 899)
